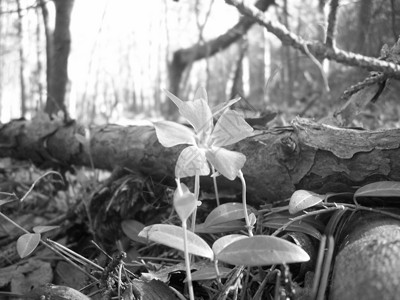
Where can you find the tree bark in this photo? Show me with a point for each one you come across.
(58, 44)
(305, 155)
(364, 20)
(22, 60)
(367, 264)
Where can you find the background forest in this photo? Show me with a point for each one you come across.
(110, 197)
(122, 53)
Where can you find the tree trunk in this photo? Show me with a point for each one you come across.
(184, 57)
(21, 60)
(58, 44)
(256, 55)
(287, 58)
(364, 20)
(305, 155)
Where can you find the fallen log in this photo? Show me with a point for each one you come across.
(304, 155)
(367, 264)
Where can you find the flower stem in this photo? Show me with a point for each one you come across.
(215, 185)
(244, 191)
(196, 194)
(12, 222)
(187, 261)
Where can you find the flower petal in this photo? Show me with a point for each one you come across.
(178, 102)
(222, 106)
(226, 162)
(201, 93)
(230, 128)
(197, 112)
(185, 202)
(170, 134)
(190, 162)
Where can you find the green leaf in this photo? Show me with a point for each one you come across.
(298, 226)
(226, 240)
(262, 250)
(172, 236)
(303, 199)
(131, 228)
(379, 189)
(26, 243)
(226, 212)
(43, 229)
(208, 273)
(234, 225)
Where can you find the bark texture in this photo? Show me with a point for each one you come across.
(367, 266)
(305, 155)
(57, 51)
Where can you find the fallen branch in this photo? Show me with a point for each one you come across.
(316, 48)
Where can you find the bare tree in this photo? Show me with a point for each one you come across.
(183, 58)
(58, 43)
(21, 60)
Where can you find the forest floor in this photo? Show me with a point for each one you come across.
(95, 248)
(89, 227)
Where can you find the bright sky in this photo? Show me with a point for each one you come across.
(117, 42)
(127, 44)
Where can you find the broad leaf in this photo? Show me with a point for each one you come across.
(262, 250)
(224, 241)
(43, 229)
(172, 236)
(229, 226)
(132, 228)
(26, 243)
(208, 273)
(303, 199)
(226, 212)
(379, 189)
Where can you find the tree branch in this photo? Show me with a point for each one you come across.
(184, 57)
(315, 47)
